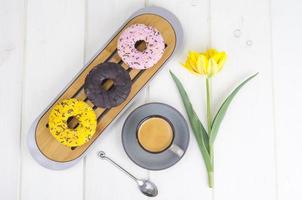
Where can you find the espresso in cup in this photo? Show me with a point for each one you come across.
(155, 134)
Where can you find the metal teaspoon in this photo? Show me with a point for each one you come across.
(147, 187)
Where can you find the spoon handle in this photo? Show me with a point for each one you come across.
(103, 156)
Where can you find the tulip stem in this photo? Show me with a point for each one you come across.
(209, 117)
(210, 179)
(209, 123)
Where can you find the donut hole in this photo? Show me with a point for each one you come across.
(107, 84)
(140, 45)
(72, 122)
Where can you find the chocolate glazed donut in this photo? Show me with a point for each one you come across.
(119, 91)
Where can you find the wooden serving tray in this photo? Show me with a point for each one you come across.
(53, 150)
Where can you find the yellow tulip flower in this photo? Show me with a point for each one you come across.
(208, 63)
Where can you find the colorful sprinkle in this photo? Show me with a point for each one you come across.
(58, 122)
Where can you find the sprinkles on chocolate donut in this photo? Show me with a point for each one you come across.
(119, 91)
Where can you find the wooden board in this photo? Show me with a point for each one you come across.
(100, 26)
(54, 150)
(287, 43)
(246, 135)
(11, 63)
(189, 172)
(54, 53)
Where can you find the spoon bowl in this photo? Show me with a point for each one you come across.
(147, 187)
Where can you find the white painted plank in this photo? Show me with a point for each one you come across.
(287, 31)
(244, 151)
(188, 178)
(11, 68)
(102, 180)
(54, 54)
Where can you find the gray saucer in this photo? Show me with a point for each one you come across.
(166, 158)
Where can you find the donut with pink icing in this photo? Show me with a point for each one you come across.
(134, 34)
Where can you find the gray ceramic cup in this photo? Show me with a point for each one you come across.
(159, 160)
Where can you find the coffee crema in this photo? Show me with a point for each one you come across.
(155, 134)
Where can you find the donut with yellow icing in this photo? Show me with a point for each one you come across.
(61, 114)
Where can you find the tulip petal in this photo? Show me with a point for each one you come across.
(210, 53)
(202, 63)
(191, 59)
(191, 62)
(190, 70)
(222, 60)
(212, 68)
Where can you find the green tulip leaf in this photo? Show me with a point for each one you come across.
(196, 125)
(222, 110)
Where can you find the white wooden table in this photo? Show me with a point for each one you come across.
(43, 44)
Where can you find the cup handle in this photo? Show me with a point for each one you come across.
(176, 150)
